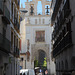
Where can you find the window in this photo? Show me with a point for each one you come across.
(43, 21)
(21, 59)
(40, 36)
(11, 38)
(39, 8)
(35, 21)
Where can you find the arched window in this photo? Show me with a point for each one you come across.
(39, 8)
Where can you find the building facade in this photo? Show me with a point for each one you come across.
(23, 36)
(37, 32)
(9, 37)
(63, 20)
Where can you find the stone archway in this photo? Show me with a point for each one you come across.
(40, 57)
(35, 49)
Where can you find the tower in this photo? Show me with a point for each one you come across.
(38, 32)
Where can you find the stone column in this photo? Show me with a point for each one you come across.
(35, 8)
(43, 8)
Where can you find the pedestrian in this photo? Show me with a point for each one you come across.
(20, 73)
(46, 72)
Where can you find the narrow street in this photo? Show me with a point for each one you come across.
(37, 37)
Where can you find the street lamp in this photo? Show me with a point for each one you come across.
(23, 15)
(24, 11)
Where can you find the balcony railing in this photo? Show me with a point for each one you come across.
(6, 15)
(56, 8)
(16, 52)
(66, 9)
(5, 44)
(64, 43)
(65, 12)
(58, 25)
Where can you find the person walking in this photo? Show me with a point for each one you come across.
(46, 72)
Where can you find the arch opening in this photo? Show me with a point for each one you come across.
(40, 59)
(39, 8)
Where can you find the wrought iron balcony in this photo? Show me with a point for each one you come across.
(16, 51)
(66, 9)
(56, 8)
(64, 43)
(6, 15)
(5, 44)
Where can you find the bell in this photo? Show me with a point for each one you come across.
(47, 10)
(31, 10)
